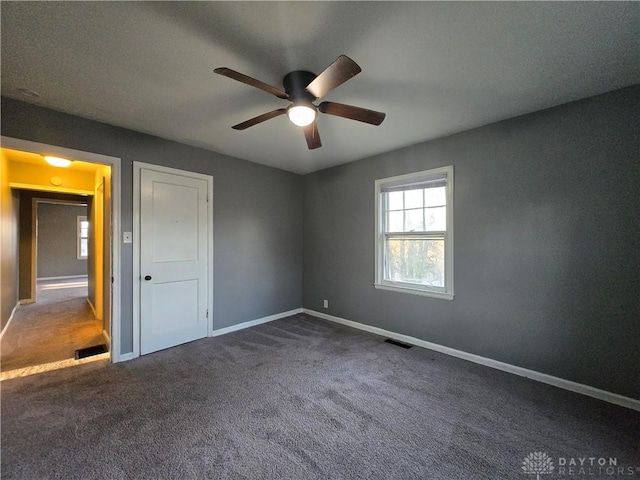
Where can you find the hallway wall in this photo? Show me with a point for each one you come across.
(99, 215)
(57, 240)
(9, 203)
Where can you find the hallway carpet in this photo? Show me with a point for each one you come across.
(300, 398)
(51, 329)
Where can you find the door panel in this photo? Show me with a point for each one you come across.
(175, 221)
(173, 260)
(168, 310)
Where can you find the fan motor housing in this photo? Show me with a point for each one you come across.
(295, 84)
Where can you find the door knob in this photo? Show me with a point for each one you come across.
(148, 277)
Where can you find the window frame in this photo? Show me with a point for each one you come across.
(380, 282)
(79, 237)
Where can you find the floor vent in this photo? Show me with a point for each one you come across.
(397, 343)
(91, 351)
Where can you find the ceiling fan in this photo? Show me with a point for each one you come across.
(302, 88)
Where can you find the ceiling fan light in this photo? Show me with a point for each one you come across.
(57, 161)
(301, 115)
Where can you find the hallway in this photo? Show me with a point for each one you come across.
(50, 330)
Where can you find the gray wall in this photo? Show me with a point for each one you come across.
(57, 240)
(257, 212)
(547, 228)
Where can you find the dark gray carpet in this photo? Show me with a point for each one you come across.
(299, 398)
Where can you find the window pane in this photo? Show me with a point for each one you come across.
(83, 224)
(413, 198)
(415, 260)
(435, 197)
(436, 219)
(395, 200)
(84, 247)
(394, 222)
(413, 220)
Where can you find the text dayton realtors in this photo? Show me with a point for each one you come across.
(592, 466)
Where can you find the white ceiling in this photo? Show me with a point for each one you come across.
(434, 68)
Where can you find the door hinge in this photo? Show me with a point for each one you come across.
(207, 313)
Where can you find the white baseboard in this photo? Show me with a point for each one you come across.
(252, 323)
(610, 397)
(220, 331)
(66, 277)
(13, 311)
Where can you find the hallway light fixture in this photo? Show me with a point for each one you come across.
(57, 161)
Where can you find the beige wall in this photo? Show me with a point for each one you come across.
(106, 253)
(99, 256)
(8, 244)
(96, 243)
(38, 177)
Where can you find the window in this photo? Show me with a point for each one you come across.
(414, 233)
(83, 237)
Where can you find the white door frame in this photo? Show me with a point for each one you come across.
(116, 271)
(137, 166)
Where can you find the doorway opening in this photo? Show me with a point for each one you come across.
(67, 288)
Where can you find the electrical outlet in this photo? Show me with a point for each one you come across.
(326, 304)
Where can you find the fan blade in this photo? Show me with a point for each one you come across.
(352, 113)
(312, 136)
(227, 72)
(260, 118)
(335, 74)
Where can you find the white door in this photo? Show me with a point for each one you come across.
(173, 259)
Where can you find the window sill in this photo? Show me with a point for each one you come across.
(414, 291)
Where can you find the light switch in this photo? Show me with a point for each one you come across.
(126, 237)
